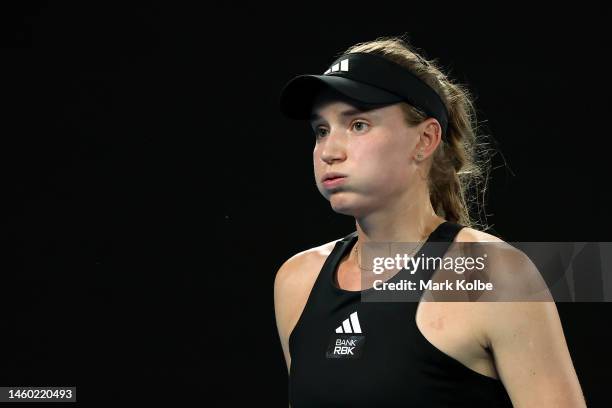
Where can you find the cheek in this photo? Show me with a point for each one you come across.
(384, 168)
(319, 165)
(316, 159)
(382, 158)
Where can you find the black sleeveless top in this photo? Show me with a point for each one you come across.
(350, 353)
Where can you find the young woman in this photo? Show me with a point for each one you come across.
(395, 149)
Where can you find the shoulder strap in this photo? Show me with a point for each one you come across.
(447, 232)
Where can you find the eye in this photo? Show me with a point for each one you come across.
(360, 126)
(320, 132)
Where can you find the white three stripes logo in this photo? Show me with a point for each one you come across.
(350, 325)
(341, 66)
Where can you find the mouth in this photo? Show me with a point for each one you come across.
(331, 180)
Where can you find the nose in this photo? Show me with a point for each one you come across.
(334, 148)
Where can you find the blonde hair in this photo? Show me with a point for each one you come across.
(456, 178)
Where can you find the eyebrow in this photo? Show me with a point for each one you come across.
(345, 114)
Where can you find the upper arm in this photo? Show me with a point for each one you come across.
(527, 339)
(531, 355)
(283, 286)
(292, 285)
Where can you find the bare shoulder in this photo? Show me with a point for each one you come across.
(467, 234)
(508, 267)
(515, 280)
(302, 268)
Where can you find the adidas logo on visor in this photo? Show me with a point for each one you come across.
(350, 325)
(341, 66)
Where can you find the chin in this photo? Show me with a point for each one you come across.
(342, 204)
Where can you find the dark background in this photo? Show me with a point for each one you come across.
(153, 188)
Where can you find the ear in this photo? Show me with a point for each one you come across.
(430, 133)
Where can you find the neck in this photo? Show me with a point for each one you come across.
(408, 219)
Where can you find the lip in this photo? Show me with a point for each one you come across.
(330, 180)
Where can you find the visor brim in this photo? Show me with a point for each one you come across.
(298, 95)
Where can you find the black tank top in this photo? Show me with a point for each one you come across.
(349, 353)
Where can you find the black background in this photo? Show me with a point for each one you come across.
(153, 188)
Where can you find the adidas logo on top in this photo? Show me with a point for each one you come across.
(348, 340)
(340, 66)
(350, 325)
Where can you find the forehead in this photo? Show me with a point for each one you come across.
(330, 107)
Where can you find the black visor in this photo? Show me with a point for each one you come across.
(367, 79)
